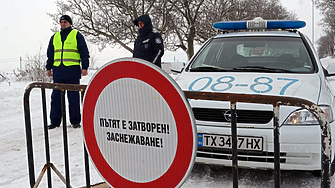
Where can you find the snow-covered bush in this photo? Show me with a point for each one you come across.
(3, 77)
(34, 69)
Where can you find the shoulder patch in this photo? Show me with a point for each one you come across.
(158, 40)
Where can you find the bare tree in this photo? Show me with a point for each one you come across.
(182, 23)
(34, 68)
(2, 77)
(326, 44)
(267, 9)
(106, 22)
(327, 9)
(192, 21)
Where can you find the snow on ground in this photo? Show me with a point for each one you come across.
(13, 152)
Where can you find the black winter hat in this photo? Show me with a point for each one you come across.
(143, 18)
(67, 18)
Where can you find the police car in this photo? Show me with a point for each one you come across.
(264, 57)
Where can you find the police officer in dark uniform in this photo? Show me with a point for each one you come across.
(68, 60)
(148, 45)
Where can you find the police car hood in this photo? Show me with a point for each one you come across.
(305, 86)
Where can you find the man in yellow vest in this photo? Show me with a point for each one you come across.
(68, 59)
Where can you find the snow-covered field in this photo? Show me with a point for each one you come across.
(13, 152)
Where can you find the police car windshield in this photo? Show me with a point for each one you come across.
(254, 54)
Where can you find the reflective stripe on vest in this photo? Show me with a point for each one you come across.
(68, 52)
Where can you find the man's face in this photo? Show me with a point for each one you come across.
(64, 24)
(140, 24)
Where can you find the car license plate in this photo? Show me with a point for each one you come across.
(225, 141)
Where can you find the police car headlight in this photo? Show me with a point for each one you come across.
(304, 117)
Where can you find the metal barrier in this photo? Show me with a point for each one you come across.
(233, 98)
(30, 152)
(276, 101)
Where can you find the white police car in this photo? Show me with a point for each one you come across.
(266, 58)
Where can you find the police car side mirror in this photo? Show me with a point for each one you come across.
(330, 70)
(177, 71)
(178, 67)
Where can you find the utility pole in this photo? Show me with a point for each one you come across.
(334, 48)
(20, 63)
(312, 21)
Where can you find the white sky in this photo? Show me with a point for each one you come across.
(25, 28)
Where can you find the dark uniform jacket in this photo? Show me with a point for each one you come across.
(148, 45)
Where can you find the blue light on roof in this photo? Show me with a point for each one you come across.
(230, 25)
(259, 23)
(285, 24)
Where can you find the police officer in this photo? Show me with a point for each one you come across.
(148, 45)
(68, 59)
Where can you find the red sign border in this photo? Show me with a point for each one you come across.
(186, 138)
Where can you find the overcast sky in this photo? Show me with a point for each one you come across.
(25, 28)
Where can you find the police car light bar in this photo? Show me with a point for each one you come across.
(259, 23)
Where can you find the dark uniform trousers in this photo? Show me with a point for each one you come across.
(73, 101)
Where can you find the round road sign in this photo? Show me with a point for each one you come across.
(138, 126)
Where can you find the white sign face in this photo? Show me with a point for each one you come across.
(128, 119)
(138, 127)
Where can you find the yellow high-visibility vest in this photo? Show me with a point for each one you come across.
(68, 52)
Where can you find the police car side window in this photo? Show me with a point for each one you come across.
(209, 56)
